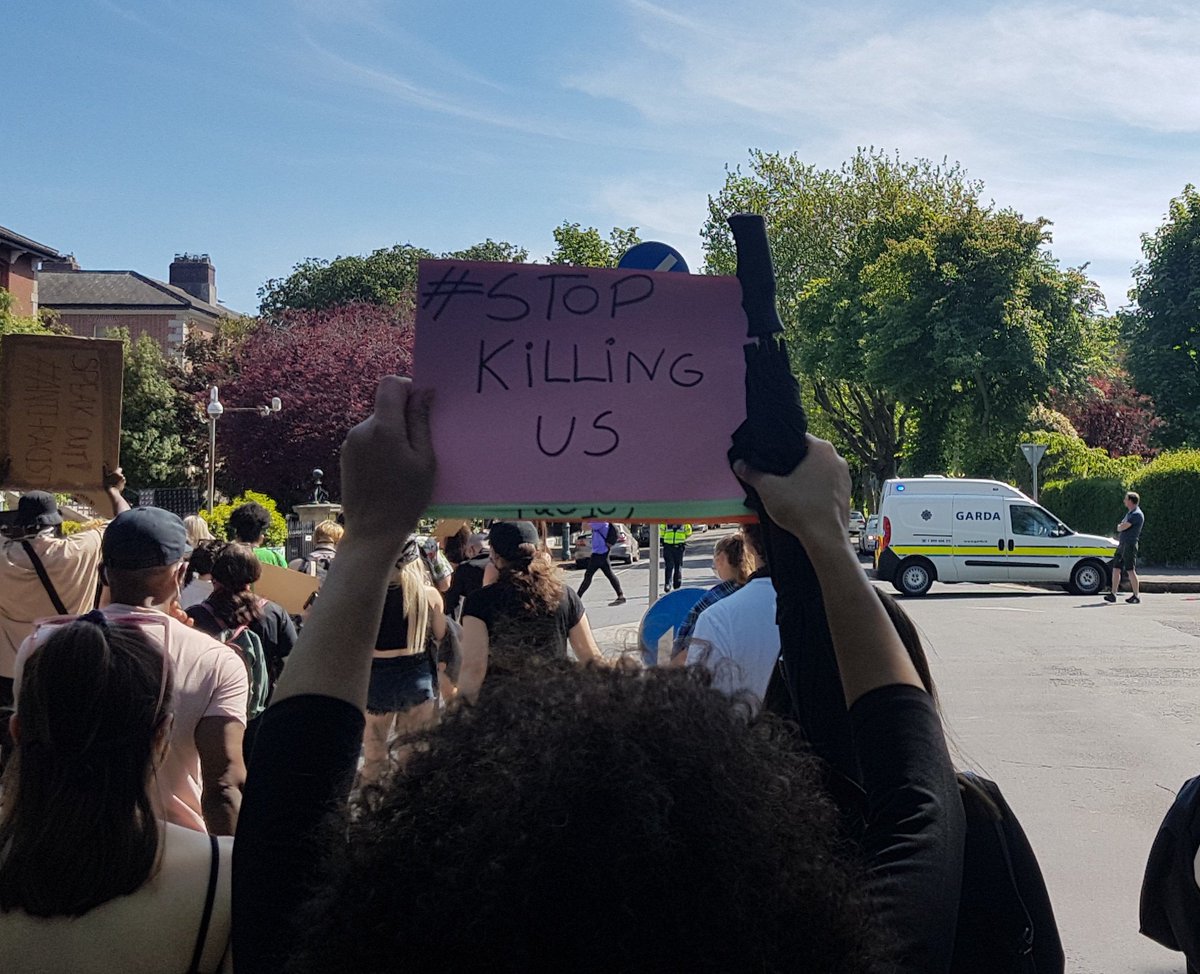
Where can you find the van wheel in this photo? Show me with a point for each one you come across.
(913, 577)
(1087, 578)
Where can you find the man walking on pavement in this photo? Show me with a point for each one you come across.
(674, 539)
(602, 532)
(1129, 530)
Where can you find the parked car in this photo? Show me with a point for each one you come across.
(625, 550)
(869, 536)
(857, 523)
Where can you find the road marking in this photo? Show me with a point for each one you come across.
(1007, 608)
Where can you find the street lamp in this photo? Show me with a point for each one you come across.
(215, 411)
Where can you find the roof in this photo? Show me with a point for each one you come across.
(13, 239)
(116, 289)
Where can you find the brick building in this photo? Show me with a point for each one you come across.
(19, 258)
(91, 303)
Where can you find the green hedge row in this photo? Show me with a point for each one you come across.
(1170, 490)
(1089, 504)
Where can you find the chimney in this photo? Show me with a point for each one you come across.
(195, 274)
(64, 266)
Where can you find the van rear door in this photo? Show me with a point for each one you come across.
(980, 538)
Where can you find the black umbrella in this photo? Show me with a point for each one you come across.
(806, 684)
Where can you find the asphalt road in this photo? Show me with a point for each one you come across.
(1084, 713)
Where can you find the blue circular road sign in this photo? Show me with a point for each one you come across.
(653, 256)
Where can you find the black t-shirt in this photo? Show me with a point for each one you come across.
(467, 578)
(511, 626)
(307, 752)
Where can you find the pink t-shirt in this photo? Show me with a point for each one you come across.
(210, 681)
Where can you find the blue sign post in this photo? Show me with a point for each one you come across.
(653, 256)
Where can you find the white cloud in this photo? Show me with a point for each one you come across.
(1087, 114)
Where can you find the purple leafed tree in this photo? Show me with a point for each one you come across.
(324, 366)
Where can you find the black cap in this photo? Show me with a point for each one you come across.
(38, 509)
(145, 537)
(506, 537)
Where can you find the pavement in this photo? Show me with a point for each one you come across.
(1086, 714)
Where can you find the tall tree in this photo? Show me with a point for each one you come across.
(153, 453)
(911, 307)
(1162, 332)
(1115, 417)
(387, 276)
(580, 246)
(323, 365)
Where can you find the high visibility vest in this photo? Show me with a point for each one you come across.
(674, 535)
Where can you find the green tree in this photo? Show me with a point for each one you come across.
(578, 246)
(387, 276)
(912, 309)
(152, 450)
(1162, 333)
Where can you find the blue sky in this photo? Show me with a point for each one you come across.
(267, 132)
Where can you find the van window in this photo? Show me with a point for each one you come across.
(1033, 522)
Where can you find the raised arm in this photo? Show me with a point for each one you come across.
(811, 503)
(387, 465)
(114, 483)
(309, 741)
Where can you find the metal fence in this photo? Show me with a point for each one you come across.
(184, 501)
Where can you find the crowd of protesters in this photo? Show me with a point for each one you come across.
(441, 770)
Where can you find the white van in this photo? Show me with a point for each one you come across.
(948, 530)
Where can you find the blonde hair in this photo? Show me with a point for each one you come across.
(328, 532)
(197, 529)
(410, 578)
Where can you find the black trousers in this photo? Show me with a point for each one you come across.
(673, 558)
(599, 563)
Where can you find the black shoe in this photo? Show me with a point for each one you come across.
(1134, 600)
(1110, 597)
(620, 600)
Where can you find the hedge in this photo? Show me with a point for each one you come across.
(1091, 505)
(218, 520)
(1170, 489)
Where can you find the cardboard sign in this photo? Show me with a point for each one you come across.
(290, 589)
(577, 392)
(60, 411)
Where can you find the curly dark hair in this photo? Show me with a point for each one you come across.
(592, 820)
(202, 559)
(535, 581)
(249, 522)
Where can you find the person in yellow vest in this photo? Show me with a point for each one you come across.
(674, 539)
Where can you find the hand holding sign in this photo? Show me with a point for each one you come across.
(585, 387)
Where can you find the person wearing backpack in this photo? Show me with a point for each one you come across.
(326, 536)
(261, 631)
(604, 535)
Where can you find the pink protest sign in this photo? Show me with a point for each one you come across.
(571, 392)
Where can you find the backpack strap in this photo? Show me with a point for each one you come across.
(46, 583)
(214, 870)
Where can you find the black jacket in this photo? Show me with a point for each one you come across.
(1170, 907)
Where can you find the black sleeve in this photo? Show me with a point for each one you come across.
(479, 605)
(454, 594)
(915, 826)
(285, 631)
(572, 607)
(204, 620)
(305, 757)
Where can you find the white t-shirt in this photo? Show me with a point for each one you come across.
(210, 681)
(196, 592)
(737, 640)
(153, 929)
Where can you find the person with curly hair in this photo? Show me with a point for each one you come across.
(528, 611)
(584, 818)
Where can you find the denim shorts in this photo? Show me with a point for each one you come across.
(399, 683)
